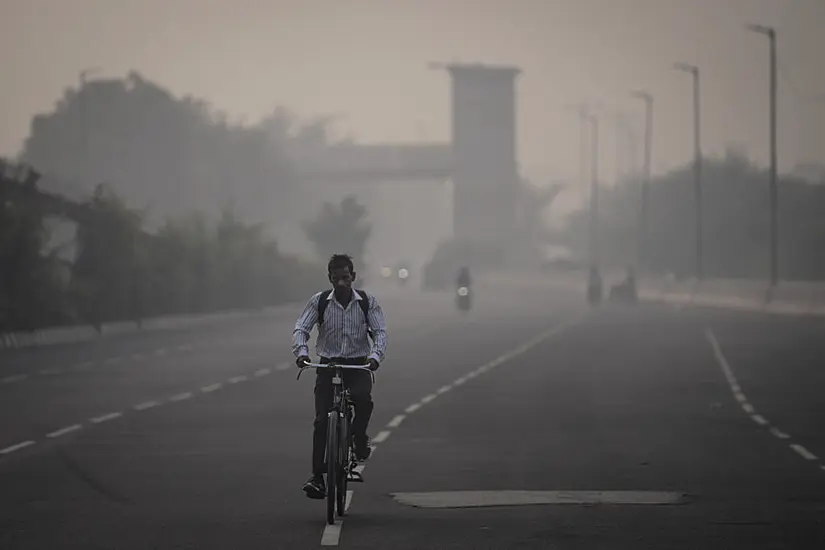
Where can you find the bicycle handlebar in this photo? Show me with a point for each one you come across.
(335, 366)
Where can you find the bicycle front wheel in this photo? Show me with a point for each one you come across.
(343, 463)
(332, 465)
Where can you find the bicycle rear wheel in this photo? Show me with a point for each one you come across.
(332, 465)
(344, 463)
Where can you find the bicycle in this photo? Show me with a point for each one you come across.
(340, 450)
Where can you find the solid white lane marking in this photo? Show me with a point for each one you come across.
(412, 408)
(427, 398)
(395, 422)
(146, 405)
(16, 447)
(803, 452)
(211, 387)
(460, 381)
(779, 433)
(236, 379)
(748, 408)
(181, 396)
(475, 499)
(105, 417)
(759, 419)
(64, 431)
(381, 436)
(444, 389)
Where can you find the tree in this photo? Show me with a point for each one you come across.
(341, 229)
(30, 283)
(173, 154)
(106, 273)
(736, 220)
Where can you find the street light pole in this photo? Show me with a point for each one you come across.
(697, 163)
(643, 231)
(594, 190)
(774, 191)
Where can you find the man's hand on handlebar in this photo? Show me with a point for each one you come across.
(301, 360)
(374, 364)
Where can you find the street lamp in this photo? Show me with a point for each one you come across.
(697, 161)
(643, 225)
(774, 192)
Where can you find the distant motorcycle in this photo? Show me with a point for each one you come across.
(463, 298)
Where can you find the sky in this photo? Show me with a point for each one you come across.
(366, 62)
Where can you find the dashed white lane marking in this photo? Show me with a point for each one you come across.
(381, 436)
(16, 447)
(743, 400)
(332, 533)
(64, 431)
(105, 417)
(136, 356)
(112, 360)
(779, 433)
(139, 407)
(50, 370)
(13, 378)
(803, 452)
(161, 351)
(759, 419)
(283, 367)
(85, 365)
(181, 396)
(395, 422)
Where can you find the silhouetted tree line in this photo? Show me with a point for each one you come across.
(736, 214)
(172, 154)
(120, 272)
(181, 252)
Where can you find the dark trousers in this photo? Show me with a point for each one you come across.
(359, 383)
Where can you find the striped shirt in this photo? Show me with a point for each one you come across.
(343, 333)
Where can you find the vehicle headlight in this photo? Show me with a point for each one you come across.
(386, 272)
(403, 273)
(463, 291)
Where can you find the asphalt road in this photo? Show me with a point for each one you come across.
(643, 428)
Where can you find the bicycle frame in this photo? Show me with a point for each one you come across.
(339, 452)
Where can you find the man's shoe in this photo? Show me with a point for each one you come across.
(315, 487)
(362, 448)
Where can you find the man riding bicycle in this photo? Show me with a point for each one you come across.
(345, 318)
